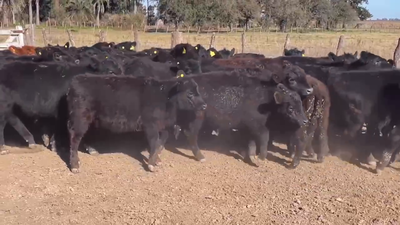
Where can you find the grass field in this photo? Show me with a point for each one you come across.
(268, 43)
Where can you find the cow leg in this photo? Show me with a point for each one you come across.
(78, 125)
(163, 139)
(300, 141)
(16, 123)
(388, 152)
(155, 144)
(263, 139)
(192, 136)
(2, 143)
(251, 154)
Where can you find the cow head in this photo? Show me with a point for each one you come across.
(186, 94)
(290, 104)
(346, 57)
(106, 66)
(295, 79)
(294, 52)
(126, 46)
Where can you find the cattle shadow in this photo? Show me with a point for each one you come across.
(226, 144)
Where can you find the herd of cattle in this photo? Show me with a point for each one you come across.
(311, 104)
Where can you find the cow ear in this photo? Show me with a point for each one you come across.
(278, 97)
(356, 54)
(180, 74)
(184, 50)
(286, 52)
(332, 56)
(66, 45)
(232, 52)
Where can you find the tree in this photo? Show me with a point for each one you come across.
(37, 13)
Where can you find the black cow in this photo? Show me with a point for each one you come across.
(366, 97)
(300, 138)
(36, 89)
(240, 101)
(123, 104)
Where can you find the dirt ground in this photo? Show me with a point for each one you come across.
(114, 188)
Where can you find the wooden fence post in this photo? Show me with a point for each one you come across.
(102, 36)
(45, 39)
(176, 38)
(396, 55)
(287, 43)
(340, 44)
(136, 39)
(212, 41)
(243, 41)
(71, 39)
(28, 35)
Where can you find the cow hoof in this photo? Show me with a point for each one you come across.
(203, 160)
(53, 149)
(320, 159)
(378, 171)
(4, 152)
(46, 140)
(294, 165)
(151, 168)
(372, 163)
(75, 170)
(252, 160)
(158, 163)
(92, 151)
(35, 146)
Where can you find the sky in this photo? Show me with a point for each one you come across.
(384, 8)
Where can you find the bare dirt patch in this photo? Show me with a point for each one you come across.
(115, 189)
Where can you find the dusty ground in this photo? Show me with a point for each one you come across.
(38, 188)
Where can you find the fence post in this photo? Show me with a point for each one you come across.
(71, 39)
(340, 44)
(396, 55)
(136, 39)
(45, 39)
(28, 35)
(176, 38)
(212, 41)
(287, 43)
(102, 36)
(243, 41)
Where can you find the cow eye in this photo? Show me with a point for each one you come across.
(290, 108)
(190, 95)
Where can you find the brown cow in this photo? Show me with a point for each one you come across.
(24, 50)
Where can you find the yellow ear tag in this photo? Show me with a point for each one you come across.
(109, 46)
(155, 52)
(196, 48)
(123, 47)
(65, 46)
(303, 55)
(181, 75)
(184, 51)
(106, 57)
(40, 53)
(132, 48)
(212, 53)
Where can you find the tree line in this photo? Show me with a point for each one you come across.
(325, 14)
